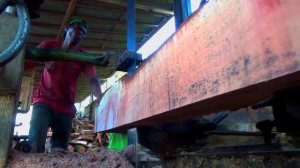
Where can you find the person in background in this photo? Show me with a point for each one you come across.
(54, 98)
(103, 138)
(117, 141)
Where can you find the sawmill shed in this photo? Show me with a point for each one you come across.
(221, 91)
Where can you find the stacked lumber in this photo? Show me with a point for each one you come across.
(83, 137)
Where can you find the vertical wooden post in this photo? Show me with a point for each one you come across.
(10, 82)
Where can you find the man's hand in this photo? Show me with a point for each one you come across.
(95, 87)
(105, 59)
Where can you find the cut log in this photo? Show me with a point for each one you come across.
(78, 142)
(71, 148)
(75, 135)
(86, 132)
(80, 148)
(86, 138)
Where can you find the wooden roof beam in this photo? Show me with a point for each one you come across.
(109, 7)
(36, 38)
(55, 27)
(94, 19)
(140, 6)
(70, 11)
(115, 28)
(119, 21)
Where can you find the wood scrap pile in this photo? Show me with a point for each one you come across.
(83, 137)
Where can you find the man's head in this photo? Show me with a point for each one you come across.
(75, 30)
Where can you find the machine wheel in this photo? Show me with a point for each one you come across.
(24, 24)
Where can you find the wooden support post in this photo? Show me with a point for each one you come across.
(10, 82)
(70, 11)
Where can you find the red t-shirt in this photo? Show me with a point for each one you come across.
(58, 85)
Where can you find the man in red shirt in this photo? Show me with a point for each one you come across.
(53, 101)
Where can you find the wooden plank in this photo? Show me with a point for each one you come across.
(228, 55)
(70, 11)
(10, 81)
(6, 118)
(26, 93)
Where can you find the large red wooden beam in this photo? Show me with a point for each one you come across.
(230, 54)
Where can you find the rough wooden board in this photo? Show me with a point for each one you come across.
(6, 121)
(8, 106)
(26, 93)
(10, 81)
(228, 55)
(10, 72)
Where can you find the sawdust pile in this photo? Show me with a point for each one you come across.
(100, 157)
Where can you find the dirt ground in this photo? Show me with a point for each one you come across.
(242, 161)
(99, 157)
